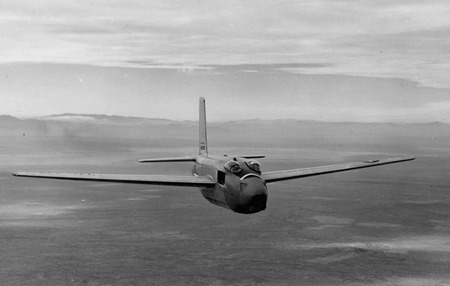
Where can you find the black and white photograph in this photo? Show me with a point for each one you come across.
(236, 142)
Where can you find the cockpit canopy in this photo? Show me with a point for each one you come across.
(233, 167)
(254, 165)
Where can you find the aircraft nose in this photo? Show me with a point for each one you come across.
(253, 195)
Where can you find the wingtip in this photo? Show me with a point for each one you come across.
(18, 174)
(390, 160)
(409, 158)
(404, 158)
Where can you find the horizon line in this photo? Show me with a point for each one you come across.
(42, 118)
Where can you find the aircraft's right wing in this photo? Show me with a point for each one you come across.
(187, 181)
(270, 177)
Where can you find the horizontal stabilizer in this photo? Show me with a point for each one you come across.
(173, 159)
(270, 177)
(187, 181)
(247, 156)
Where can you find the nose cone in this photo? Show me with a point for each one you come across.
(253, 196)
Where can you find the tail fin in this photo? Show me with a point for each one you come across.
(203, 144)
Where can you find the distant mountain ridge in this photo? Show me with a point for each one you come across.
(135, 120)
(93, 131)
(110, 126)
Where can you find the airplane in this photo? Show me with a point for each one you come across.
(234, 182)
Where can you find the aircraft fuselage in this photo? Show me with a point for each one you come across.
(243, 190)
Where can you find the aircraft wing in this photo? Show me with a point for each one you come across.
(187, 181)
(172, 159)
(276, 176)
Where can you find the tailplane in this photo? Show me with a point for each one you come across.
(203, 145)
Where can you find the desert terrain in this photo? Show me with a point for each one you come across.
(387, 225)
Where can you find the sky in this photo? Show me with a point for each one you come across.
(328, 60)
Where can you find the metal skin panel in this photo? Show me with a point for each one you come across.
(322, 170)
(245, 192)
(209, 167)
(250, 197)
(182, 181)
(173, 159)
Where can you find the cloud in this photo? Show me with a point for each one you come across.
(171, 91)
(31, 213)
(410, 281)
(429, 243)
(380, 38)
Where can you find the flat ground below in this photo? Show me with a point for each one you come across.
(388, 225)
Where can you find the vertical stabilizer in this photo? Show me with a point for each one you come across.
(203, 145)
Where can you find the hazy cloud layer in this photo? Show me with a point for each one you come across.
(397, 245)
(400, 39)
(43, 89)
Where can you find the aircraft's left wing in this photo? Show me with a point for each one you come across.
(187, 181)
(270, 177)
(173, 159)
